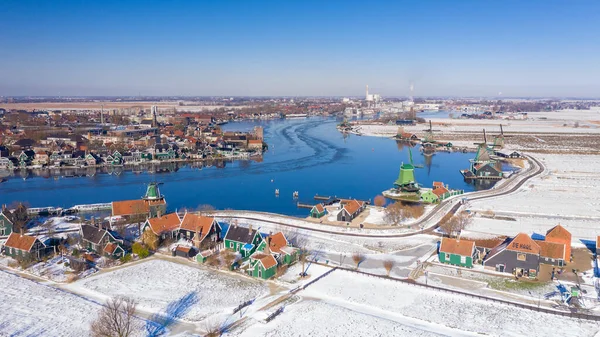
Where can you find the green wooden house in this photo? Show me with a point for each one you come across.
(262, 266)
(317, 211)
(113, 250)
(429, 197)
(203, 256)
(457, 252)
(6, 224)
(97, 240)
(25, 247)
(279, 247)
(244, 240)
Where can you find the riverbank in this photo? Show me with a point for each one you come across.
(567, 131)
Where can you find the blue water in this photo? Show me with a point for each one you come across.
(305, 155)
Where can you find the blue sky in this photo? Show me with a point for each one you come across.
(201, 48)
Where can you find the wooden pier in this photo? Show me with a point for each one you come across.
(320, 197)
(302, 205)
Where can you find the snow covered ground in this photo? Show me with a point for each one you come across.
(54, 269)
(538, 122)
(154, 284)
(57, 224)
(560, 195)
(433, 309)
(345, 303)
(376, 216)
(28, 308)
(315, 318)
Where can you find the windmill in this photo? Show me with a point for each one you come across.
(406, 179)
(428, 143)
(499, 139)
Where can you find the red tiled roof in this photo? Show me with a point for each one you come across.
(551, 250)
(440, 191)
(110, 248)
(254, 141)
(276, 242)
(437, 184)
(185, 249)
(488, 243)
(320, 208)
(200, 223)
(132, 207)
(458, 247)
(165, 223)
(558, 231)
(352, 206)
(21, 242)
(523, 243)
(267, 260)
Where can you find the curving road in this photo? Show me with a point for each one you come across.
(429, 222)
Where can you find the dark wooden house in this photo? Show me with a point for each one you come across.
(203, 231)
(25, 247)
(96, 238)
(519, 256)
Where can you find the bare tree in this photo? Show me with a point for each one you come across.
(415, 211)
(379, 201)
(394, 213)
(115, 319)
(20, 216)
(456, 224)
(150, 239)
(388, 265)
(358, 258)
(206, 208)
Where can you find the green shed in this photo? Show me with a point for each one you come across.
(262, 266)
(317, 211)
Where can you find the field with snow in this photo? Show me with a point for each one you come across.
(537, 122)
(557, 196)
(154, 284)
(435, 311)
(314, 318)
(28, 308)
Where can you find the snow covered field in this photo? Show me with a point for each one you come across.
(314, 318)
(557, 196)
(154, 284)
(437, 311)
(28, 308)
(538, 122)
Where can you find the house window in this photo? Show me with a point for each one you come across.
(259, 272)
(2, 231)
(521, 257)
(447, 257)
(553, 260)
(463, 259)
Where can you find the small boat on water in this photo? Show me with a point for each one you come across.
(295, 194)
(276, 191)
